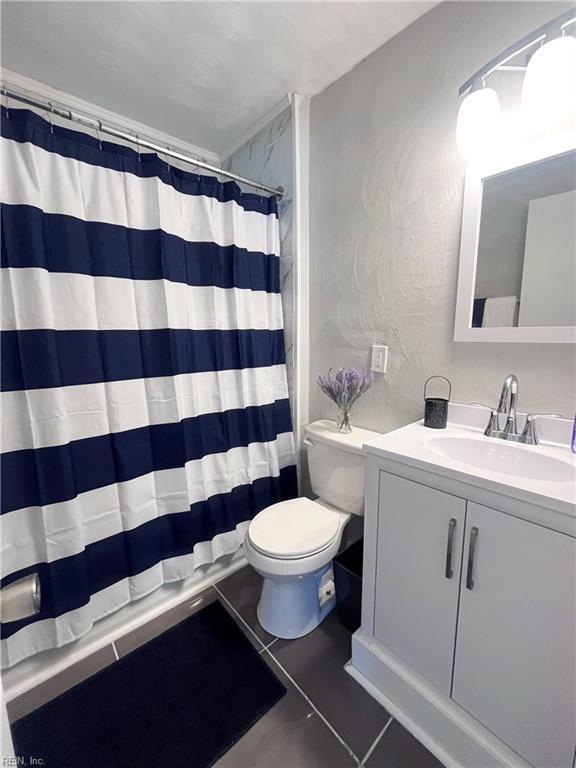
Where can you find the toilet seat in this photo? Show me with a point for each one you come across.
(294, 529)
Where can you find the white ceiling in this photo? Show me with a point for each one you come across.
(204, 72)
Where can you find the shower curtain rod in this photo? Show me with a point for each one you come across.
(90, 122)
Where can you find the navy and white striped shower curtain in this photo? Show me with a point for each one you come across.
(145, 413)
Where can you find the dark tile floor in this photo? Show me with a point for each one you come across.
(326, 720)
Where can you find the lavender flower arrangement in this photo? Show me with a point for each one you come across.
(345, 388)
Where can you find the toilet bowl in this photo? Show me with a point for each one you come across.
(291, 544)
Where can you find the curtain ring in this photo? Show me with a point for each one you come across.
(99, 134)
(50, 113)
(6, 107)
(261, 192)
(138, 146)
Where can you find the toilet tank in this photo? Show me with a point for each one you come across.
(336, 464)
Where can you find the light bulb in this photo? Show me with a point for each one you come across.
(478, 122)
(549, 89)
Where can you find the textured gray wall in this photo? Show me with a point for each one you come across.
(386, 201)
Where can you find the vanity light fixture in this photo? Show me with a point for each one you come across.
(549, 88)
(548, 93)
(478, 121)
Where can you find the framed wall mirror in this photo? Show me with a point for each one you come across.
(517, 276)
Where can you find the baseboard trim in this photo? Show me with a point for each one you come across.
(398, 714)
(445, 729)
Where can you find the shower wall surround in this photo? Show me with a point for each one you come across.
(268, 157)
(385, 209)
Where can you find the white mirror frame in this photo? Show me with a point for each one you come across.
(471, 213)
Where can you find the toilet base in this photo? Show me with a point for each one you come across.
(291, 606)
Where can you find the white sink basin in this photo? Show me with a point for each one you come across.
(544, 475)
(503, 458)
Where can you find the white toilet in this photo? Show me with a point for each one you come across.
(291, 544)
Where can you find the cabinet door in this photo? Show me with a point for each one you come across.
(416, 587)
(515, 666)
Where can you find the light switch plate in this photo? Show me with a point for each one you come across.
(379, 359)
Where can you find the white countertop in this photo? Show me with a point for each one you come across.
(544, 474)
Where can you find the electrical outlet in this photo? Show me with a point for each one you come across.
(379, 359)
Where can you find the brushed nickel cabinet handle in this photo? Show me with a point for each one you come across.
(471, 550)
(451, 529)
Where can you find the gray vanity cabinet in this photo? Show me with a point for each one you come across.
(515, 656)
(420, 535)
(480, 604)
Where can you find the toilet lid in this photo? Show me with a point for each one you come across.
(294, 528)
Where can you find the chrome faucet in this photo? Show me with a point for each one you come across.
(507, 407)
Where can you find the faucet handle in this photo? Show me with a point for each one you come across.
(529, 434)
(493, 427)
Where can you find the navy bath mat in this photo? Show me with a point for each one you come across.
(180, 701)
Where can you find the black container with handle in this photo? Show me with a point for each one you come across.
(436, 408)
